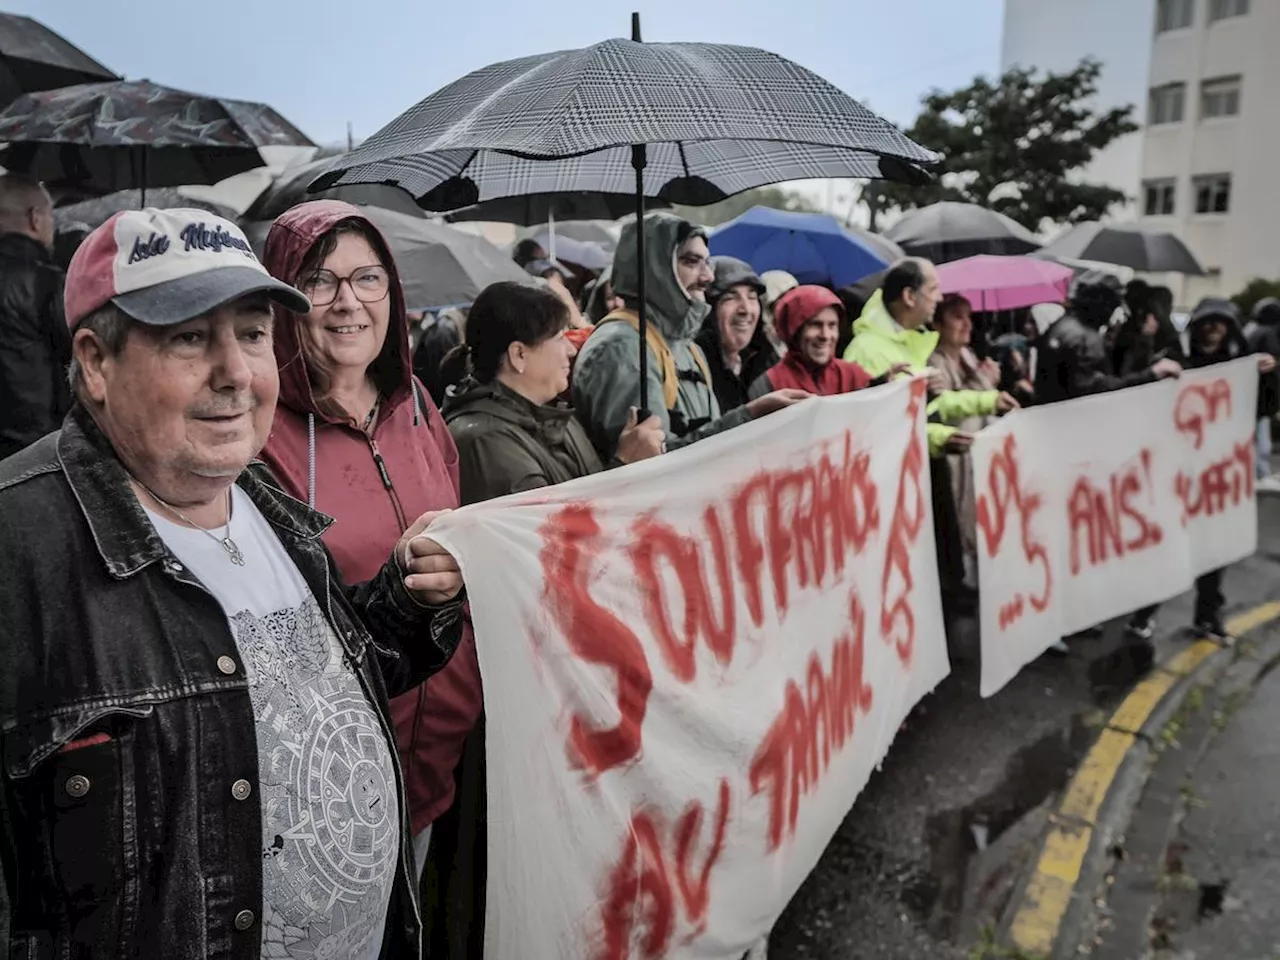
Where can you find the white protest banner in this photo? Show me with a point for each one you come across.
(691, 667)
(1099, 506)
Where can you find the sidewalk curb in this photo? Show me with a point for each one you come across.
(1045, 917)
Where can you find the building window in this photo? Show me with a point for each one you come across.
(1213, 193)
(1224, 9)
(1158, 197)
(1220, 98)
(1167, 103)
(1174, 14)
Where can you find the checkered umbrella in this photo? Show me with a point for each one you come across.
(682, 122)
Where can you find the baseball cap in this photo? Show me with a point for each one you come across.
(540, 268)
(163, 267)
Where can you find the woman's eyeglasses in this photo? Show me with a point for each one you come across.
(369, 284)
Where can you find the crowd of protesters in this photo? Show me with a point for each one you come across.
(213, 509)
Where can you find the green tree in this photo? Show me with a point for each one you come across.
(1257, 289)
(1010, 145)
(717, 213)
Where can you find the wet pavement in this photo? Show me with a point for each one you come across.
(1201, 874)
(1231, 838)
(928, 856)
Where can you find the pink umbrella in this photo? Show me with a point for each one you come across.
(1005, 283)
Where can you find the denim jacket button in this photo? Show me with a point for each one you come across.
(77, 786)
(173, 566)
(244, 919)
(241, 789)
(226, 665)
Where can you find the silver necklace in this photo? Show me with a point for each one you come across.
(234, 553)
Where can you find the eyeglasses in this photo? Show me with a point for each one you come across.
(369, 284)
(691, 261)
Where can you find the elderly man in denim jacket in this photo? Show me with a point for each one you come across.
(198, 760)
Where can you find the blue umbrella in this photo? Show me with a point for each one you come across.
(812, 247)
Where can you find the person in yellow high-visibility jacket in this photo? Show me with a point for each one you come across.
(894, 330)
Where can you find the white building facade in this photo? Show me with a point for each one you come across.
(1208, 156)
(1210, 164)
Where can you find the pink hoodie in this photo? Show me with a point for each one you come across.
(374, 488)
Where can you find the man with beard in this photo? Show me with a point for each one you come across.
(606, 377)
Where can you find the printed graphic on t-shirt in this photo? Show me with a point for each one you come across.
(328, 793)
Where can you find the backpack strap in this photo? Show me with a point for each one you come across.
(658, 344)
(701, 360)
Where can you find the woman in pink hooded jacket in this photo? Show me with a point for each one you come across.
(357, 437)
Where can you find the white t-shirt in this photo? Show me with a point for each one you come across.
(326, 784)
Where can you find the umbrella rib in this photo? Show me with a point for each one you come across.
(684, 161)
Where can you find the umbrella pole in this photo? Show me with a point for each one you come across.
(142, 191)
(551, 232)
(639, 159)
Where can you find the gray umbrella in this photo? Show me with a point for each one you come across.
(439, 265)
(681, 122)
(1127, 245)
(948, 231)
(95, 211)
(290, 189)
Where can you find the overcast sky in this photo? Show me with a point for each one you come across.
(323, 63)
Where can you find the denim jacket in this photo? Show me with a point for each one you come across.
(131, 825)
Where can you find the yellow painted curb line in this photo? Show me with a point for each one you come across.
(1038, 920)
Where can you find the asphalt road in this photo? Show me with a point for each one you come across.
(1230, 837)
(917, 863)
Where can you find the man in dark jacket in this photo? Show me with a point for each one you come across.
(733, 338)
(1263, 336)
(35, 347)
(1072, 359)
(199, 757)
(1214, 336)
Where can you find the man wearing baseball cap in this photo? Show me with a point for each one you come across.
(198, 753)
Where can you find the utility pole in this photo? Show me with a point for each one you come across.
(871, 197)
(351, 142)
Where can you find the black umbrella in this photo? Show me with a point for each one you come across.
(1126, 245)
(33, 57)
(539, 208)
(120, 136)
(682, 122)
(948, 231)
(290, 189)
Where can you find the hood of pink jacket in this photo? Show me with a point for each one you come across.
(292, 236)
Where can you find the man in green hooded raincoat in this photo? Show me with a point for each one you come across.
(606, 376)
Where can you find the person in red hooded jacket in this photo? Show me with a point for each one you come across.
(807, 319)
(357, 437)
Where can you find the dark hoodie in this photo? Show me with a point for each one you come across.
(374, 487)
(1263, 334)
(733, 389)
(508, 444)
(606, 376)
(1233, 344)
(1072, 358)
